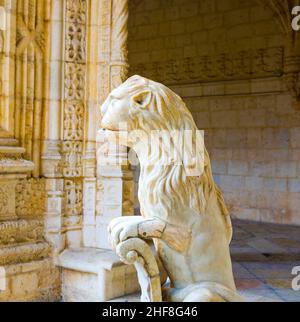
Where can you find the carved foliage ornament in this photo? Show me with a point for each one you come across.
(74, 86)
(30, 198)
(241, 65)
(4, 199)
(73, 198)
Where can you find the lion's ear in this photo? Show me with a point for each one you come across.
(142, 99)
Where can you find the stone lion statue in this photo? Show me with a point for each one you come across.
(183, 211)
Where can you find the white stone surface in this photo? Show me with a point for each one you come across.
(182, 208)
(95, 275)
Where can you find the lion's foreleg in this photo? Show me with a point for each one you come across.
(174, 236)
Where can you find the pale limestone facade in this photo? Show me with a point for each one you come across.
(236, 64)
(241, 55)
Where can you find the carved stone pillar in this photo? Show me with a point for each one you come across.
(93, 272)
(115, 194)
(75, 67)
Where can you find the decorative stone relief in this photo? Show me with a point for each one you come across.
(74, 82)
(76, 11)
(5, 191)
(21, 231)
(264, 62)
(7, 199)
(75, 43)
(30, 198)
(74, 110)
(24, 253)
(72, 158)
(73, 125)
(73, 197)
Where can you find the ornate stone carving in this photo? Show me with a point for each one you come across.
(73, 197)
(21, 231)
(73, 125)
(7, 199)
(14, 164)
(74, 110)
(4, 199)
(75, 43)
(24, 253)
(30, 198)
(264, 62)
(181, 209)
(72, 159)
(76, 11)
(74, 82)
(75, 74)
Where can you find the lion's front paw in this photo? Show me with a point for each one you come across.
(120, 229)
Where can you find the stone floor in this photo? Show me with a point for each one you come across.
(264, 256)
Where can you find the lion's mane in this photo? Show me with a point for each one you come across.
(168, 185)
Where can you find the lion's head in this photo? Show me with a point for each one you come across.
(151, 108)
(145, 104)
(142, 104)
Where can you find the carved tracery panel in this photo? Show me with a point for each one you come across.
(75, 68)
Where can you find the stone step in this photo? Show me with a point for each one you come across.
(95, 275)
(24, 253)
(21, 231)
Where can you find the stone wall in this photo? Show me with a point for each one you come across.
(225, 58)
(178, 41)
(252, 140)
(27, 271)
